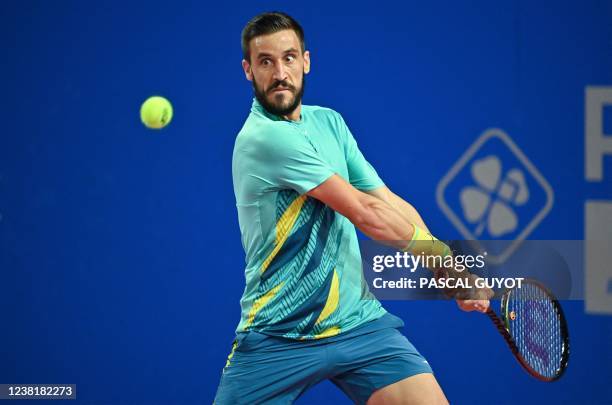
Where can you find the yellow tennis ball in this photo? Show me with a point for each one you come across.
(156, 112)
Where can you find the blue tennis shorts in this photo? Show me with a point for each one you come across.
(269, 369)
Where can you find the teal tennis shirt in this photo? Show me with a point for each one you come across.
(303, 271)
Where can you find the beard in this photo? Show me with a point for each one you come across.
(280, 103)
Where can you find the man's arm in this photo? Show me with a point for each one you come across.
(404, 208)
(373, 216)
(378, 219)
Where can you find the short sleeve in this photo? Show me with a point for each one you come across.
(281, 158)
(361, 173)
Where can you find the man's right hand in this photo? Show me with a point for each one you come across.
(475, 299)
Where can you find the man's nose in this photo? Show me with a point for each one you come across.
(280, 73)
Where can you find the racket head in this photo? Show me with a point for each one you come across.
(535, 321)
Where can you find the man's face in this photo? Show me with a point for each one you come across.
(277, 71)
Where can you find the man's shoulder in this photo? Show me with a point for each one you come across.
(257, 128)
(327, 116)
(321, 111)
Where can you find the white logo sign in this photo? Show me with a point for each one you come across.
(494, 192)
(598, 213)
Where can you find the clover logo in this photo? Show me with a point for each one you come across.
(494, 192)
(490, 202)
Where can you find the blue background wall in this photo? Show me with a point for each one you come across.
(121, 266)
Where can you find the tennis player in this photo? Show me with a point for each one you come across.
(302, 186)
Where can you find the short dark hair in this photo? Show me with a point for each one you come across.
(269, 23)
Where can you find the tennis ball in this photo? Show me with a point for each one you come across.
(156, 112)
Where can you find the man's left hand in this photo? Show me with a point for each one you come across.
(473, 305)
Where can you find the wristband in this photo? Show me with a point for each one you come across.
(423, 242)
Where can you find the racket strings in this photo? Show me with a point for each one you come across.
(536, 329)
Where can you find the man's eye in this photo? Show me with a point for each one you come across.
(265, 62)
(290, 58)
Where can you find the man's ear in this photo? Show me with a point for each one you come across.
(246, 66)
(306, 62)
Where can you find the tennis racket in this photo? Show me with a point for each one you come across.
(534, 327)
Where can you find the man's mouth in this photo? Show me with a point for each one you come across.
(281, 89)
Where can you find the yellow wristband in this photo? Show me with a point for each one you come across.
(423, 242)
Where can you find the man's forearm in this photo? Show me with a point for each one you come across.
(380, 221)
(373, 216)
(403, 208)
(407, 210)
